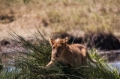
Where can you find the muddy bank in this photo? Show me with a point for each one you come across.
(110, 56)
(105, 43)
(101, 41)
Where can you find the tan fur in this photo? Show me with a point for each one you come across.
(73, 54)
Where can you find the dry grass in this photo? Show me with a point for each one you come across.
(50, 16)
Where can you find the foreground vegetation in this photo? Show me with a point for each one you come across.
(32, 65)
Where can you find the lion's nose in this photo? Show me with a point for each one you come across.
(54, 52)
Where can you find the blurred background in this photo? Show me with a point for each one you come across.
(74, 17)
(94, 23)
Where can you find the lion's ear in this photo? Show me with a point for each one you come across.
(51, 41)
(65, 40)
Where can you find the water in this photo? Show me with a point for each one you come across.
(115, 65)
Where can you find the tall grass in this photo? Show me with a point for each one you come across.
(32, 65)
(74, 15)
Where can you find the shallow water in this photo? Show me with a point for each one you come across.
(115, 65)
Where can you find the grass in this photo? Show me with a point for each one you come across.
(53, 15)
(32, 65)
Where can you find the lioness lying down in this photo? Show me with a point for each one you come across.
(73, 54)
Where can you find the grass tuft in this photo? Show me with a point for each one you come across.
(32, 65)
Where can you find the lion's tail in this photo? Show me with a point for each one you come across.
(88, 56)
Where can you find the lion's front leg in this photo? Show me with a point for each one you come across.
(51, 63)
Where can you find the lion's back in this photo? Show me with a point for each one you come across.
(76, 47)
(75, 54)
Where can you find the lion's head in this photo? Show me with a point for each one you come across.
(58, 45)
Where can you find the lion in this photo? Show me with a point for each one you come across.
(71, 54)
